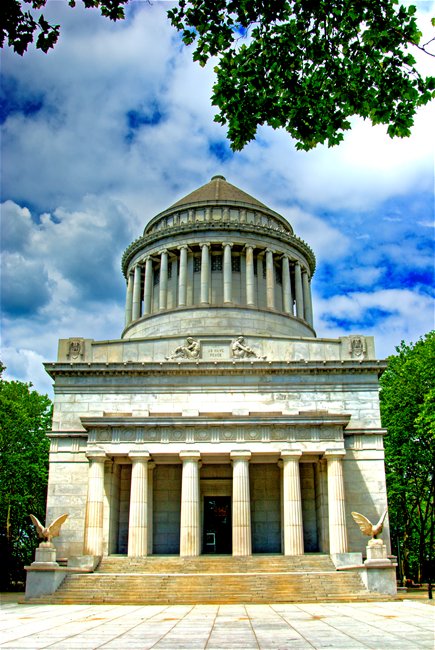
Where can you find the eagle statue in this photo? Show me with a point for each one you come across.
(366, 526)
(48, 532)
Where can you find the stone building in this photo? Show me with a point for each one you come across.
(218, 423)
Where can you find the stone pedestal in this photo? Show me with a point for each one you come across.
(380, 574)
(376, 552)
(45, 556)
(44, 575)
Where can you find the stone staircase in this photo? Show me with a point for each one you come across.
(210, 579)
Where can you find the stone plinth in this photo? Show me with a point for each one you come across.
(45, 556)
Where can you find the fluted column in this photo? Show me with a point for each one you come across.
(292, 504)
(150, 504)
(129, 300)
(308, 309)
(336, 503)
(163, 293)
(322, 505)
(287, 298)
(182, 277)
(228, 273)
(270, 280)
(298, 291)
(190, 526)
(148, 286)
(93, 541)
(205, 273)
(242, 542)
(250, 277)
(138, 518)
(136, 292)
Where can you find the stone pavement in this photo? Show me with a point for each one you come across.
(377, 625)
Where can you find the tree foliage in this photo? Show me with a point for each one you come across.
(408, 412)
(306, 66)
(25, 418)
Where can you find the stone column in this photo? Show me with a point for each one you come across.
(298, 291)
(150, 502)
(148, 286)
(190, 525)
(205, 272)
(228, 273)
(270, 280)
(308, 310)
(250, 277)
(93, 543)
(182, 277)
(136, 292)
(336, 503)
(322, 505)
(292, 504)
(242, 542)
(163, 294)
(287, 298)
(138, 518)
(129, 300)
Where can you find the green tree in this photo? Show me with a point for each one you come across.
(25, 418)
(407, 409)
(303, 65)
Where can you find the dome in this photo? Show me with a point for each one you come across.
(218, 261)
(218, 189)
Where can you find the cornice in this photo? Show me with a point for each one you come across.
(206, 368)
(307, 419)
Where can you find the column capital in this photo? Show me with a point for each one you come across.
(139, 455)
(183, 247)
(164, 250)
(205, 244)
(97, 455)
(251, 246)
(190, 455)
(227, 243)
(291, 454)
(240, 455)
(270, 250)
(332, 454)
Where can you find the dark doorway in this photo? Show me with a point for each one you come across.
(217, 525)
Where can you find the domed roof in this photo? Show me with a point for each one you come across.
(218, 189)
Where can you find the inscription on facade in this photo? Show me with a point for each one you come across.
(215, 351)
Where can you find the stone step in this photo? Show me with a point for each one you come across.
(193, 588)
(216, 564)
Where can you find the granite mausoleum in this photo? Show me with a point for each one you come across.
(218, 424)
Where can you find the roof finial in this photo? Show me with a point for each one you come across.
(216, 176)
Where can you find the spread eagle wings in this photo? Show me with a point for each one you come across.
(365, 524)
(39, 527)
(53, 530)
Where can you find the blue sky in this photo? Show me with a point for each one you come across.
(115, 125)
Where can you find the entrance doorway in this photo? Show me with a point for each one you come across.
(217, 525)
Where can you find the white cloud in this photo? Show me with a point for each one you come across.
(115, 125)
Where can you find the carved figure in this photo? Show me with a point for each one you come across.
(357, 346)
(241, 350)
(76, 348)
(188, 351)
(366, 526)
(47, 533)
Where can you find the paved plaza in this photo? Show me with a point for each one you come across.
(376, 625)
